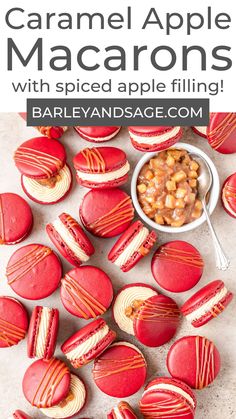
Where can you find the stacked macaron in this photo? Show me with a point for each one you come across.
(97, 134)
(154, 138)
(45, 176)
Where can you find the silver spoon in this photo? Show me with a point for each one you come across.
(204, 186)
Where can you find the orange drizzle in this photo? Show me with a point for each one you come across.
(230, 193)
(204, 362)
(37, 159)
(47, 387)
(222, 131)
(158, 312)
(94, 158)
(125, 406)
(78, 295)
(122, 213)
(180, 256)
(10, 334)
(71, 222)
(22, 266)
(107, 367)
(172, 407)
(217, 309)
(2, 227)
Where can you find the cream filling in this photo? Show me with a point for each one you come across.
(205, 308)
(124, 300)
(43, 193)
(226, 204)
(104, 177)
(101, 139)
(156, 138)
(116, 412)
(72, 404)
(172, 388)
(69, 239)
(202, 130)
(132, 247)
(88, 344)
(42, 332)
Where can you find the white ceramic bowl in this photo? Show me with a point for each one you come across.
(213, 198)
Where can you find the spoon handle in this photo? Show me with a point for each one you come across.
(222, 262)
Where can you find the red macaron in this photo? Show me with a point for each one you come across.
(135, 243)
(200, 130)
(18, 414)
(106, 213)
(221, 132)
(46, 178)
(70, 239)
(200, 358)
(120, 371)
(122, 410)
(88, 343)
(97, 134)
(42, 335)
(46, 382)
(228, 195)
(177, 266)
(207, 303)
(16, 218)
(101, 167)
(156, 321)
(86, 292)
(154, 138)
(51, 132)
(29, 270)
(166, 397)
(13, 321)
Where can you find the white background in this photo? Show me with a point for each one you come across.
(152, 36)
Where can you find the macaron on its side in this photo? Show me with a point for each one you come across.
(200, 357)
(106, 213)
(88, 343)
(200, 130)
(13, 321)
(154, 138)
(46, 382)
(207, 303)
(29, 269)
(221, 132)
(86, 292)
(45, 195)
(228, 195)
(122, 410)
(101, 167)
(132, 246)
(16, 218)
(72, 404)
(42, 333)
(126, 303)
(121, 370)
(177, 266)
(70, 239)
(156, 321)
(167, 397)
(18, 414)
(97, 134)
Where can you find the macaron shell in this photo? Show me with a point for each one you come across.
(97, 134)
(125, 411)
(156, 321)
(18, 414)
(196, 130)
(46, 383)
(99, 159)
(104, 185)
(221, 132)
(158, 146)
(152, 132)
(106, 213)
(200, 358)
(53, 133)
(229, 195)
(177, 266)
(86, 292)
(38, 158)
(16, 218)
(149, 131)
(28, 271)
(13, 321)
(120, 371)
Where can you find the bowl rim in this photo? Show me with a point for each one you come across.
(213, 198)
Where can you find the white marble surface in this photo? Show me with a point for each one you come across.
(214, 402)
